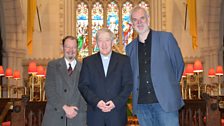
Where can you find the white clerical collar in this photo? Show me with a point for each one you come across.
(106, 57)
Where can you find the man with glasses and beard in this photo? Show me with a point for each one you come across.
(65, 105)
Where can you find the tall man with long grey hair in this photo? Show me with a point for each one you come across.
(157, 66)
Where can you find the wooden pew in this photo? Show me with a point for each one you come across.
(201, 112)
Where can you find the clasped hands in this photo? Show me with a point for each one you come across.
(70, 111)
(105, 106)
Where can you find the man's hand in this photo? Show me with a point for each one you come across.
(70, 111)
(101, 104)
(105, 107)
(109, 106)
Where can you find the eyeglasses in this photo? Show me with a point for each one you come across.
(73, 48)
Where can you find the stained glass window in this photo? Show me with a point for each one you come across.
(82, 29)
(97, 23)
(95, 11)
(127, 30)
(112, 19)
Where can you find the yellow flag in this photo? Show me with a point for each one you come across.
(31, 11)
(193, 22)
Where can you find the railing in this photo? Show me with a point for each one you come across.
(204, 112)
(201, 112)
(193, 113)
(34, 113)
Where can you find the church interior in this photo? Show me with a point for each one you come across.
(32, 36)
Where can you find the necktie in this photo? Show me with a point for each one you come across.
(69, 70)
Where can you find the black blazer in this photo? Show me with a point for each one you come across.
(116, 86)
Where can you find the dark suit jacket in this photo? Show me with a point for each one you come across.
(62, 89)
(166, 70)
(116, 86)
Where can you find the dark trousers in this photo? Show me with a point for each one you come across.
(113, 118)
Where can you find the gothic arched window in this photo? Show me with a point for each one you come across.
(127, 30)
(82, 29)
(113, 14)
(97, 23)
(112, 19)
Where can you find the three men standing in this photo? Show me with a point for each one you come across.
(106, 79)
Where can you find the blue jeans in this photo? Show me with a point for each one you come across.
(154, 115)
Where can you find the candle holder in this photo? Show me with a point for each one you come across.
(189, 72)
(31, 87)
(211, 75)
(197, 77)
(189, 84)
(32, 70)
(40, 75)
(16, 76)
(8, 75)
(36, 81)
(219, 73)
(183, 84)
(1, 75)
(192, 73)
(198, 68)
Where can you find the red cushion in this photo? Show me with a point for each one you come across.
(222, 121)
(6, 123)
